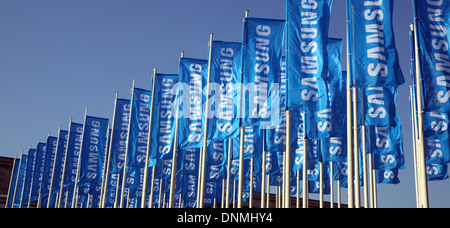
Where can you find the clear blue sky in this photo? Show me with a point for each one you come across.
(59, 56)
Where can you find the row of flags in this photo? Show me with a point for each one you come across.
(276, 109)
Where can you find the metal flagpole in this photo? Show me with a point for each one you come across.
(147, 157)
(227, 203)
(111, 137)
(287, 164)
(321, 183)
(61, 186)
(152, 185)
(331, 186)
(105, 162)
(356, 149)
(124, 177)
(174, 157)
(10, 182)
(263, 177)
(305, 165)
(75, 189)
(413, 124)
(53, 169)
(242, 129)
(349, 132)
(29, 194)
(365, 174)
(371, 180)
(420, 134)
(205, 129)
(241, 167)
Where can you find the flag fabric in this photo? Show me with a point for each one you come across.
(93, 149)
(263, 48)
(225, 84)
(58, 166)
(50, 155)
(377, 106)
(120, 136)
(139, 127)
(373, 55)
(38, 171)
(163, 118)
(13, 183)
(307, 40)
(193, 77)
(432, 26)
(29, 176)
(72, 158)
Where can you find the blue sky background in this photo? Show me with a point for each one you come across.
(59, 56)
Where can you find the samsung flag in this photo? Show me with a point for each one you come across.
(193, 76)
(93, 149)
(432, 26)
(373, 56)
(226, 71)
(163, 122)
(307, 39)
(38, 170)
(263, 49)
(119, 136)
(138, 129)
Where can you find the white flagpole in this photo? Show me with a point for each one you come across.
(227, 197)
(147, 157)
(111, 137)
(365, 174)
(53, 169)
(205, 129)
(305, 165)
(10, 182)
(356, 148)
(61, 187)
(287, 164)
(124, 178)
(413, 124)
(152, 185)
(331, 186)
(349, 132)
(241, 167)
(242, 131)
(174, 157)
(421, 161)
(75, 189)
(263, 176)
(321, 183)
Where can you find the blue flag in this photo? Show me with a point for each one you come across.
(58, 166)
(193, 76)
(386, 176)
(437, 150)
(263, 48)
(377, 106)
(72, 157)
(29, 176)
(119, 136)
(374, 58)
(93, 149)
(38, 171)
(436, 172)
(13, 183)
(276, 135)
(50, 155)
(307, 40)
(164, 117)
(432, 31)
(436, 130)
(225, 82)
(138, 130)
